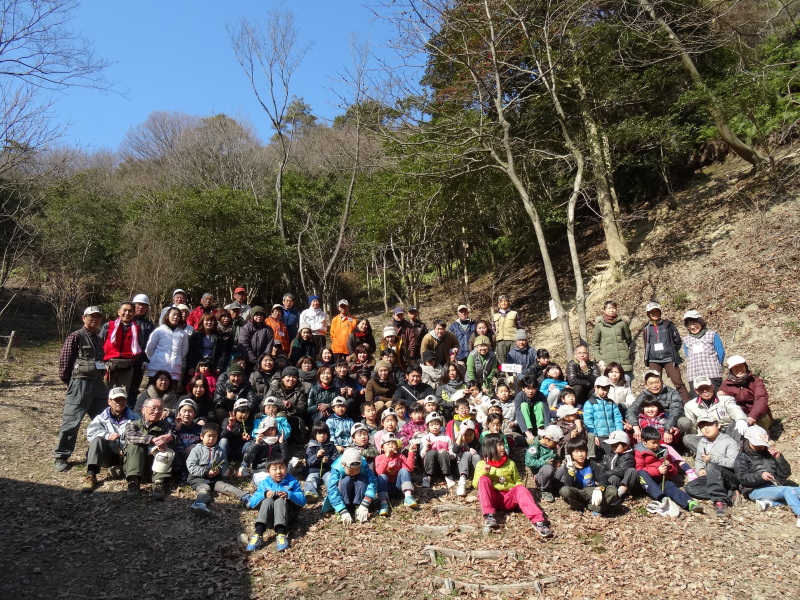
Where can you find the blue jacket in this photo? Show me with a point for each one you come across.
(601, 416)
(290, 485)
(291, 318)
(525, 357)
(462, 335)
(333, 501)
(284, 428)
(340, 429)
(544, 387)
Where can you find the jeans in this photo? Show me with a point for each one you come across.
(518, 496)
(353, 489)
(780, 494)
(652, 487)
(312, 482)
(234, 452)
(396, 488)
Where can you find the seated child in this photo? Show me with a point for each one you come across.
(567, 396)
(106, 436)
(234, 430)
(467, 448)
(278, 498)
(656, 470)
(359, 436)
(500, 488)
(320, 454)
(352, 486)
(271, 407)
(574, 429)
(620, 465)
(584, 483)
(388, 425)
(436, 451)
(531, 409)
(652, 415)
(394, 474)
(187, 432)
(461, 414)
(369, 416)
(266, 445)
(430, 404)
(552, 384)
(543, 459)
(503, 394)
(716, 455)
(601, 414)
(207, 467)
(762, 472)
(340, 424)
(204, 369)
(415, 426)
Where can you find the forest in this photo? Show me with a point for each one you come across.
(505, 131)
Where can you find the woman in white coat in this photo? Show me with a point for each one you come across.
(167, 347)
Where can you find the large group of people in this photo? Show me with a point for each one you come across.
(361, 416)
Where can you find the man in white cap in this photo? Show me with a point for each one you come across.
(178, 297)
(82, 369)
(463, 328)
(731, 419)
(141, 307)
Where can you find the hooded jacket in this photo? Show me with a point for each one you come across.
(602, 416)
(612, 342)
(649, 461)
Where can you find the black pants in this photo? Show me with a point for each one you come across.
(717, 485)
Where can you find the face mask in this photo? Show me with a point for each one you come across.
(271, 439)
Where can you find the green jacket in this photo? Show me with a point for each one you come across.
(611, 342)
(508, 472)
(537, 456)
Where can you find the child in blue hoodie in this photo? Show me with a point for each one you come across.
(278, 499)
(340, 424)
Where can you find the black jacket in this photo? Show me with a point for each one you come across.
(221, 348)
(617, 464)
(750, 464)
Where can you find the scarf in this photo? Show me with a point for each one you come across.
(698, 335)
(360, 335)
(135, 349)
(739, 380)
(224, 330)
(610, 320)
(497, 463)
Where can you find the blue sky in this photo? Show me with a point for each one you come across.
(175, 55)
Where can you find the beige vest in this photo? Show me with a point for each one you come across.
(505, 326)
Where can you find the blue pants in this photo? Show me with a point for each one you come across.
(396, 488)
(653, 489)
(780, 494)
(312, 482)
(353, 489)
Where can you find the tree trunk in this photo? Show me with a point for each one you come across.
(580, 295)
(743, 150)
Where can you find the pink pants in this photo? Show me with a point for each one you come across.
(519, 496)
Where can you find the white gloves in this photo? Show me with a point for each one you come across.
(362, 514)
(597, 497)
(568, 462)
(741, 426)
(347, 518)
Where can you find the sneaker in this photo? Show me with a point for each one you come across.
(116, 472)
(721, 508)
(245, 499)
(490, 522)
(200, 508)
(282, 542)
(763, 505)
(254, 543)
(311, 497)
(461, 490)
(133, 488)
(548, 497)
(410, 502)
(384, 510)
(244, 471)
(695, 507)
(159, 493)
(89, 484)
(543, 530)
(450, 482)
(622, 491)
(426, 481)
(61, 465)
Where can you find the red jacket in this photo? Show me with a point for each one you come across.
(193, 318)
(123, 345)
(646, 460)
(391, 466)
(750, 395)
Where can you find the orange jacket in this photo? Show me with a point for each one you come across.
(280, 332)
(341, 328)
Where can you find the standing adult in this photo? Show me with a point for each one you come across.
(81, 368)
(463, 328)
(419, 327)
(612, 340)
(581, 374)
(703, 350)
(206, 307)
(342, 325)
(122, 346)
(141, 308)
(662, 344)
(291, 317)
(168, 346)
(240, 296)
(256, 337)
(315, 319)
(505, 323)
(405, 332)
(206, 344)
(361, 335)
(280, 335)
(178, 297)
(444, 344)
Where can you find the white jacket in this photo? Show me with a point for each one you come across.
(105, 424)
(315, 319)
(166, 350)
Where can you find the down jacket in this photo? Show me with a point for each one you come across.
(750, 394)
(611, 342)
(750, 464)
(602, 416)
(166, 350)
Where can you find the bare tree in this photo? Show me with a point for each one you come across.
(269, 57)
